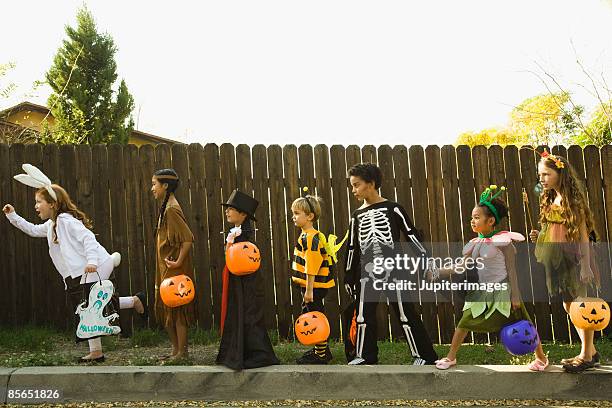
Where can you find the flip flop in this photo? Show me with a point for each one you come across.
(537, 365)
(445, 363)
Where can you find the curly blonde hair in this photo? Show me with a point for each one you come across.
(574, 204)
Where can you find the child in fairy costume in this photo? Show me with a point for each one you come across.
(563, 245)
(487, 312)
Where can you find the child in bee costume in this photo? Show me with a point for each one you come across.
(312, 267)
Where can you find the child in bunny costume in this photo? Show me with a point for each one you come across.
(76, 254)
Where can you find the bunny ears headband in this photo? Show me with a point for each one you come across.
(35, 178)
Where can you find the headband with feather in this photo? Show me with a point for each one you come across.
(35, 178)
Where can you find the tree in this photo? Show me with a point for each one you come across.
(545, 119)
(487, 137)
(86, 103)
(599, 130)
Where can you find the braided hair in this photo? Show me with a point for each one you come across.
(169, 177)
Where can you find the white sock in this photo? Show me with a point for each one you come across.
(126, 302)
(95, 345)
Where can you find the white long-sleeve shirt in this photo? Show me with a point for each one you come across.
(76, 248)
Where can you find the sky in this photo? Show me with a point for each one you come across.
(322, 71)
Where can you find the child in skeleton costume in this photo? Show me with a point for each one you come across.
(244, 340)
(375, 229)
(173, 241)
(483, 311)
(313, 258)
(76, 254)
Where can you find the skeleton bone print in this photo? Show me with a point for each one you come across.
(375, 232)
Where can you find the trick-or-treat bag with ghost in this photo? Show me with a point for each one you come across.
(93, 322)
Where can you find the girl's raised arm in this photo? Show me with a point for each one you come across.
(33, 230)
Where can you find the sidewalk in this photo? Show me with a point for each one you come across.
(112, 383)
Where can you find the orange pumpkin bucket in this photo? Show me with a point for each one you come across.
(590, 313)
(312, 328)
(243, 258)
(177, 291)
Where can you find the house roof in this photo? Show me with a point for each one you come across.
(29, 106)
(153, 138)
(24, 106)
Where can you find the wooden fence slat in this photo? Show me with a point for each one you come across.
(201, 250)
(264, 237)
(279, 237)
(146, 157)
(244, 178)
(340, 193)
(55, 290)
(421, 222)
(136, 242)
(353, 156)
(227, 164)
(368, 154)
(117, 177)
(292, 192)
(450, 183)
(215, 225)
(435, 192)
(467, 198)
(23, 199)
(324, 190)
(498, 177)
(8, 304)
(37, 248)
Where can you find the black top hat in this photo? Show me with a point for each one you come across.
(242, 202)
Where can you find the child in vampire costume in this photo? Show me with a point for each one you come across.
(375, 230)
(244, 339)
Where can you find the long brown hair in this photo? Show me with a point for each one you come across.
(63, 204)
(574, 203)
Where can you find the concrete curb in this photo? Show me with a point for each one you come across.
(108, 383)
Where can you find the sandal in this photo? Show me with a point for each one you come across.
(596, 360)
(537, 365)
(578, 365)
(445, 363)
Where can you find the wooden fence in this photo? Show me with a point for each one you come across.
(436, 185)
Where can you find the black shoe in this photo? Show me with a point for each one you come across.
(578, 366)
(312, 358)
(91, 360)
(361, 361)
(145, 314)
(328, 353)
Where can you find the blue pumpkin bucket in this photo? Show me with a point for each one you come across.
(520, 337)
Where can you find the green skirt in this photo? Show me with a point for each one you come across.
(488, 305)
(494, 323)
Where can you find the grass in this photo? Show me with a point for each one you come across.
(39, 346)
